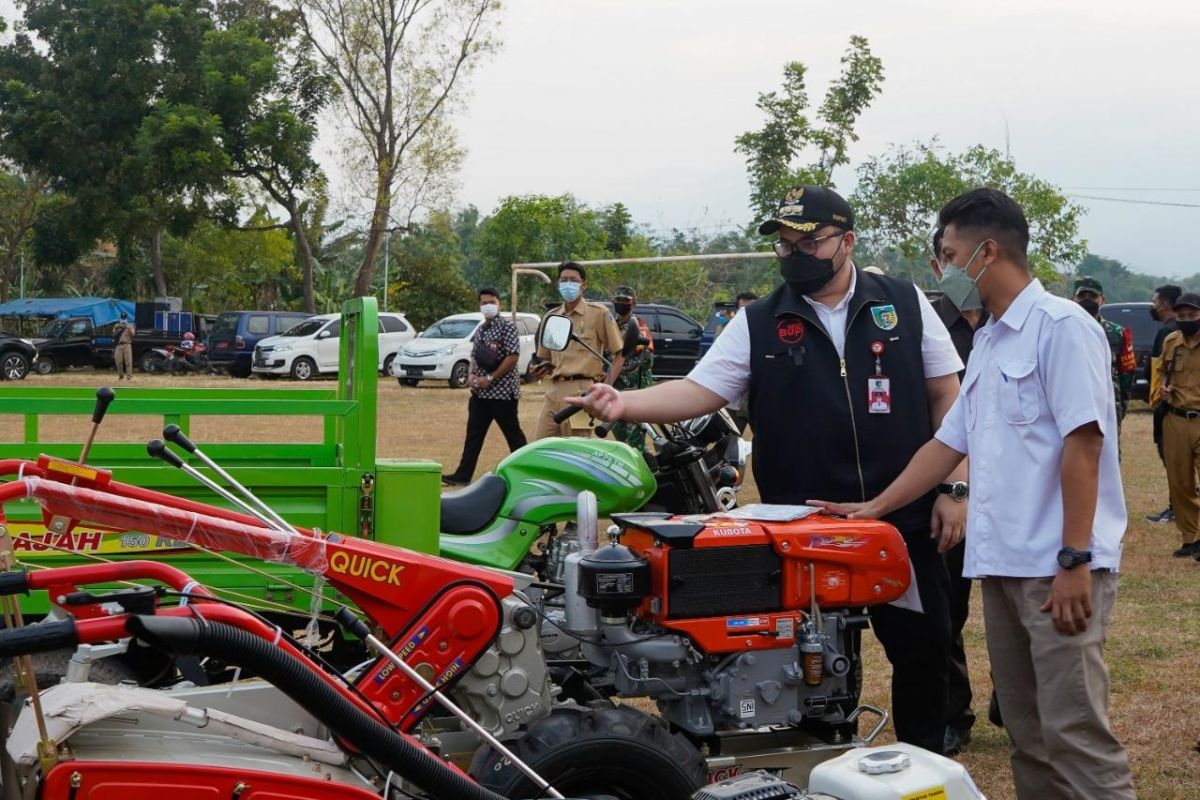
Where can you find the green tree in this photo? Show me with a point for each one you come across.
(790, 149)
(899, 194)
(97, 95)
(537, 228)
(427, 275)
(399, 65)
(23, 198)
(219, 268)
(263, 83)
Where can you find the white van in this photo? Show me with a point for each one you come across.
(311, 348)
(443, 350)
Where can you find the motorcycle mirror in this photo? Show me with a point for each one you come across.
(633, 337)
(556, 332)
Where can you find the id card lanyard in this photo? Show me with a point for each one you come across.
(879, 386)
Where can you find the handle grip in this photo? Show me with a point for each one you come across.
(14, 582)
(41, 637)
(562, 415)
(351, 624)
(173, 433)
(157, 448)
(603, 429)
(104, 398)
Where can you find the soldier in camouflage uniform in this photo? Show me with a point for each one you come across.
(636, 373)
(1089, 293)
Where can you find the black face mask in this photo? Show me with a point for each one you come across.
(622, 308)
(1090, 306)
(806, 274)
(1189, 327)
(1154, 315)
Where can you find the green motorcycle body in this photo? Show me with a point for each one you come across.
(541, 484)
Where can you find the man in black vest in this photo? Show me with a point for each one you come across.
(848, 374)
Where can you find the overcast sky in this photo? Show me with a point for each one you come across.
(639, 101)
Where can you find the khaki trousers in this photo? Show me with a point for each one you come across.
(1053, 692)
(578, 425)
(123, 355)
(1181, 451)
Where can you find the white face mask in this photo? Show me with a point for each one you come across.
(489, 310)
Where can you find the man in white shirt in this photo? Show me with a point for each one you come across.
(848, 375)
(1047, 510)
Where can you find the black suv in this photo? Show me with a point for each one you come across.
(1136, 317)
(16, 356)
(676, 338)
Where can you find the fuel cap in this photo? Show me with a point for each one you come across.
(884, 762)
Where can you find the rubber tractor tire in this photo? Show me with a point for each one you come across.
(611, 752)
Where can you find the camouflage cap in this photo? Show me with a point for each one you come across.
(624, 291)
(1087, 283)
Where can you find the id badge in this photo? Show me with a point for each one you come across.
(879, 395)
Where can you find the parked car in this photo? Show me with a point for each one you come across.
(311, 347)
(232, 339)
(17, 355)
(1136, 317)
(676, 338)
(443, 350)
(65, 342)
(723, 311)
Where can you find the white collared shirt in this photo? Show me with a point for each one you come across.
(1034, 376)
(725, 368)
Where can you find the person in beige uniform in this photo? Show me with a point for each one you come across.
(123, 351)
(571, 371)
(1179, 387)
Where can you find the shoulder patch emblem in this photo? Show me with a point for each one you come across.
(885, 317)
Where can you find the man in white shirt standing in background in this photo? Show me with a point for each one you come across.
(1047, 510)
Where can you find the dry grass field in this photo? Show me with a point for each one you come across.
(1154, 645)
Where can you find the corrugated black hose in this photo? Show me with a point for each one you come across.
(190, 636)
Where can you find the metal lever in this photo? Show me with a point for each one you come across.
(174, 434)
(345, 617)
(104, 398)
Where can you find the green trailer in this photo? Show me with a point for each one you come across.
(336, 484)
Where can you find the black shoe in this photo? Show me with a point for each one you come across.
(1186, 551)
(994, 711)
(1166, 515)
(955, 741)
(454, 480)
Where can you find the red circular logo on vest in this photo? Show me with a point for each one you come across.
(790, 331)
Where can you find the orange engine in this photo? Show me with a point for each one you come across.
(735, 585)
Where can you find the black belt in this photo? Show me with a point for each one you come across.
(1183, 412)
(573, 378)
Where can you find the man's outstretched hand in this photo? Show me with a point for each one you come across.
(602, 402)
(847, 510)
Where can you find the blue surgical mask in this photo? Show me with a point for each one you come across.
(960, 288)
(569, 291)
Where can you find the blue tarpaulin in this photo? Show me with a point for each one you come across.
(102, 310)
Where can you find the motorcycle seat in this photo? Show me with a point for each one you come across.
(469, 510)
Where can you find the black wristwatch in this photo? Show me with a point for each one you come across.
(959, 490)
(1069, 557)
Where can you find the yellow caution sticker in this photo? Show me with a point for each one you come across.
(936, 793)
(75, 470)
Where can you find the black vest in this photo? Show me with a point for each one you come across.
(813, 435)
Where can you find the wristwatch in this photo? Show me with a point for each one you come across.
(959, 490)
(1069, 557)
